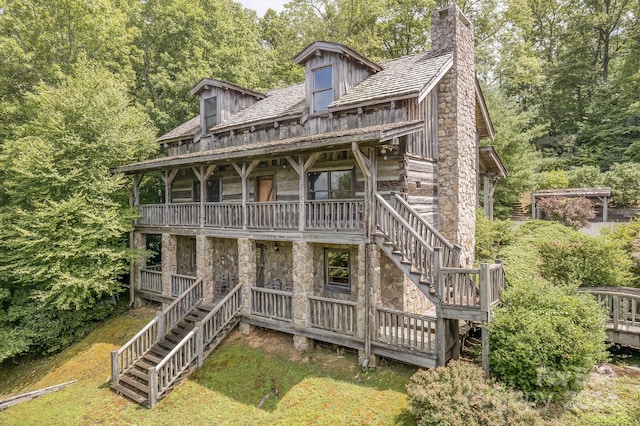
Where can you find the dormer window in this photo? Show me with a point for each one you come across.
(322, 88)
(210, 113)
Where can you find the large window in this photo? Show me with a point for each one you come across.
(210, 113)
(330, 184)
(322, 88)
(337, 269)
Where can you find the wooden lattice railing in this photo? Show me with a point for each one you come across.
(181, 283)
(179, 308)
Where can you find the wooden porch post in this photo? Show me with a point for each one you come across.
(244, 173)
(167, 177)
(486, 199)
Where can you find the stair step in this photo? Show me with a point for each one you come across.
(131, 394)
(144, 365)
(160, 351)
(152, 358)
(140, 374)
(132, 383)
(172, 338)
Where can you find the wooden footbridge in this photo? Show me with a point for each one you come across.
(623, 307)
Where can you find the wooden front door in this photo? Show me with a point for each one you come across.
(265, 189)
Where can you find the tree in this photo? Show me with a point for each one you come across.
(64, 217)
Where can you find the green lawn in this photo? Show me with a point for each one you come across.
(324, 386)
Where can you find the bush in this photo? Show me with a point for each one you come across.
(628, 235)
(459, 395)
(554, 179)
(585, 177)
(624, 180)
(573, 212)
(491, 235)
(545, 340)
(585, 261)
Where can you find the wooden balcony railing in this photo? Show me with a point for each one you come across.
(274, 304)
(151, 280)
(407, 330)
(223, 215)
(338, 316)
(621, 303)
(341, 215)
(273, 215)
(335, 214)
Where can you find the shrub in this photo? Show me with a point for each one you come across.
(459, 395)
(574, 212)
(628, 235)
(546, 339)
(491, 235)
(554, 179)
(585, 261)
(624, 180)
(585, 177)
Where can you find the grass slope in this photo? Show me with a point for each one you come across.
(324, 386)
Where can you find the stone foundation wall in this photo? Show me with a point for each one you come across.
(169, 261)
(278, 263)
(319, 272)
(184, 247)
(398, 291)
(225, 261)
(204, 264)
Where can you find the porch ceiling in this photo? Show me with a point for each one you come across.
(272, 148)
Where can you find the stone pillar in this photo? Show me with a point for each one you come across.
(139, 244)
(204, 265)
(302, 287)
(169, 261)
(452, 32)
(246, 270)
(362, 315)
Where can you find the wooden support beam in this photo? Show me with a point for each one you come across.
(363, 162)
(311, 160)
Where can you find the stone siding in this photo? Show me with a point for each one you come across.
(319, 272)
(225, 258)
(246, 270)
(398, 291)
(278, 263)
(184, 253)
(169, 262)
(456, 131)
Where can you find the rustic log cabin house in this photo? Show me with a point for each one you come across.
(340, 210)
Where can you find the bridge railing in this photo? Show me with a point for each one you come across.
(622, 304)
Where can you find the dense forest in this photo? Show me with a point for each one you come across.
(88, 84)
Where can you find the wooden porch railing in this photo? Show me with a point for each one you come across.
(402, 235)
(477, 288)
(152, 214)
(340, 214)
(338, 316)
(183, 214)
(273, 215)
(151, 280)
(450, 252)
(275, 304)
(179, 308)
(404, 329)
(223, 215)
(191, 347)
(180, 283)
(622, 305)
(125, 357)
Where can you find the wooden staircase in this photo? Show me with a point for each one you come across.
(153, 362)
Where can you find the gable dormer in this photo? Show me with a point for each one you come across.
(219, 100)
(332, 69)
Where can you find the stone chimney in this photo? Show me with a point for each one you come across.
(451, 31)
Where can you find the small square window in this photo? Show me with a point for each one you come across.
(338, 274)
